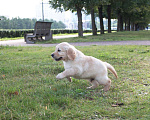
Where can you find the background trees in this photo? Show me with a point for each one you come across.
(26, 23)
(134, 14)
(130, 14)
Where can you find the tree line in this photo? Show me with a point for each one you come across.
(130, 14)
(26, 23)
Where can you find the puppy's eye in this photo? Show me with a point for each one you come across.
(59, 50)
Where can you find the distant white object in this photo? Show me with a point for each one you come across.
(147, 28)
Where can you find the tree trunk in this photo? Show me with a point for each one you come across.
(101, 19)
(136, 27)
(80, 28)
(132, 26)
(120, 22)
(128, 24)
(109, 18)
(94, 29)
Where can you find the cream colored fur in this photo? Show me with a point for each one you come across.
(80, 66)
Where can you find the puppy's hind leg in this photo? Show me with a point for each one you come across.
(94, 84)
(69, 79)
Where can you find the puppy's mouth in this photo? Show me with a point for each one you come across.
(58, 59)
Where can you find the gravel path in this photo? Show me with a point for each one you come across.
(22, 43)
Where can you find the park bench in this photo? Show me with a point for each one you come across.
(41, 29)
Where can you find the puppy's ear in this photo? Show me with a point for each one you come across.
(71, 54)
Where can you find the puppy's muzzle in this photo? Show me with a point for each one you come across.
(57, 59)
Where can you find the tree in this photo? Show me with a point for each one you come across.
(94, 29)
(100, 7)
(140, 14)
(116, 6)
(80, 27)
(90, 6)
(109, 18)
(73, 5)
(134, 13)
(108, 13)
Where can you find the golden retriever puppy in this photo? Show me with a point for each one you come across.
(80, 66)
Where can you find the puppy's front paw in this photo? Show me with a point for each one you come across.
(89, 88)
(60, 76)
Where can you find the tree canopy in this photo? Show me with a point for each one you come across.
(134, 14)
(72, 5)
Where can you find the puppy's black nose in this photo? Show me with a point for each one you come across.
(52, 55)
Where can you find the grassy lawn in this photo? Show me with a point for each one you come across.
(6, 39)
(17, 38)
(114, 36)
(29, 89)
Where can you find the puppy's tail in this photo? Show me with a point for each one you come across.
(111, 68)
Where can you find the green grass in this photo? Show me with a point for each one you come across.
(29, 89)
(6, 39)
(16, 38)
(114, 36)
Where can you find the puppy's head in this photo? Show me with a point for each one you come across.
(64, 51)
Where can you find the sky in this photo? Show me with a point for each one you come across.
(33, 9)
(21, 8)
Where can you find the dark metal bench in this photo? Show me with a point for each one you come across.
(41, 29)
